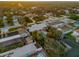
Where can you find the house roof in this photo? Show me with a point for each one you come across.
(37, 27)
(77, 30)
(9, 38)
(23, 51)
(77, 22)
(12, 37)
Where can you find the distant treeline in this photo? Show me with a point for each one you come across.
(45, 4)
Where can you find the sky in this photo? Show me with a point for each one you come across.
(39, 0)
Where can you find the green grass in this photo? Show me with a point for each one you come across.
(73, 16)
(1, 23)
(13, 29)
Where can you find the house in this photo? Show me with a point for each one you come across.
(76, 24)
(66, 11)
(65, 28)
(12, 39)
(24, 51)
(66, 20)
(37, 27)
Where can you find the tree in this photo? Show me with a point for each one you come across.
(54, 47)
(39, 18)
(1, 23)
(38, 37)
(73, 16)
(54, 33)
(27, 19)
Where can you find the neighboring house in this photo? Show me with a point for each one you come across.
(21, 52)
(65, 28)
(12, 39)
(66, 21)
(66, 11)
(76, 24)
(27, 49)
(37, 27)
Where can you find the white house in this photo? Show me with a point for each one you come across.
(37, 27)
